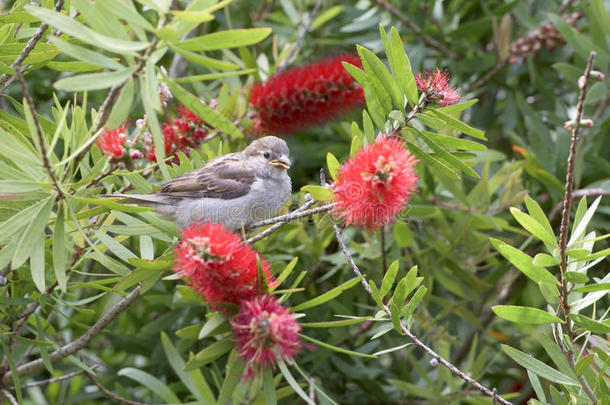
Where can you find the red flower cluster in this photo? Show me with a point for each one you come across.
(179, 135)
(218, 265)
(305, 96)
(375, 184)
(112, 143)
(436, 85)
(265, 332)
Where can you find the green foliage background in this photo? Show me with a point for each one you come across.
(68, 256)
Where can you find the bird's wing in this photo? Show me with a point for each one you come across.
(227, 177)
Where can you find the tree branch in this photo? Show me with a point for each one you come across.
(16, 66)
(415, 339)
(565, 220)
(284, 64)
(293, 216)
(112, 395)
(78, 344)
(43, 150)
(427, 39)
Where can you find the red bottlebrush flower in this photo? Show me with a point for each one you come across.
(112, 143)
(218, 265)
(375, 184)
(265, 332)
(436, 85)
(305, 96)
(188, 115)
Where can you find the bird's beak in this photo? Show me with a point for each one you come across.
(282, 162)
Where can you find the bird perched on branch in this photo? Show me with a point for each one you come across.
(236, 189)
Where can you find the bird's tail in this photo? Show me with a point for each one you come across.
(149, 200)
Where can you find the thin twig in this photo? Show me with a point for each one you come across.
(9, 396)
(589, 192)
(112, 395)
(410, 335)
(487, 76)
(16, 66)
(39, 133)
(565, 220)
(292, 216)
(284, 64)
(427, 39)
(78, 344)
(278, 225)
(55, 379)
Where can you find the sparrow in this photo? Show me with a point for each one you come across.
(236, 189)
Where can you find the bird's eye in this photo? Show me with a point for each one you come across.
(266, 155)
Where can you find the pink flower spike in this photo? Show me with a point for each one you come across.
(265, 332)
(375, 184)
(436, 85)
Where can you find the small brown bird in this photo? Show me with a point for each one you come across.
(236, 189)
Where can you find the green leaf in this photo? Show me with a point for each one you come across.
(154, 265)
(375, 85)
(86, 55)
(122, 107)
(269, 387)
(526, 315)
(177, 364)
(459, 125)
(408, 310)
(550, 292)
(367, 126)
(333, 165)
(94, 81)
(545, 260)
(402, 234)
(589, 324)
(33, 232)
(335, 348)
(59, 250)
(21, 219)
(212, 325)
(84, 33)
(209, 354)
(579, 229)
(193, 16)
(535, 228)
(580, 43)
(329, 295)
(231, 381)
(356, 145)
(454, 162)
(334, 324)
(214, 76)
(453, 142)
(538, 367)
(115, 247)
(372, 102)
(575, 277)
(110, 204)
(37, 262)
(150, 382)
(126, 11)
(388, 279)
(594, 287)
(319, 193)
(523, 262)
(401, 68)
(294, 384)
(326, 16)
(455, 108)
(375, 68)
(204, 60)
(286, 272)
(210, 116)
(225, 39)
(431, 161)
